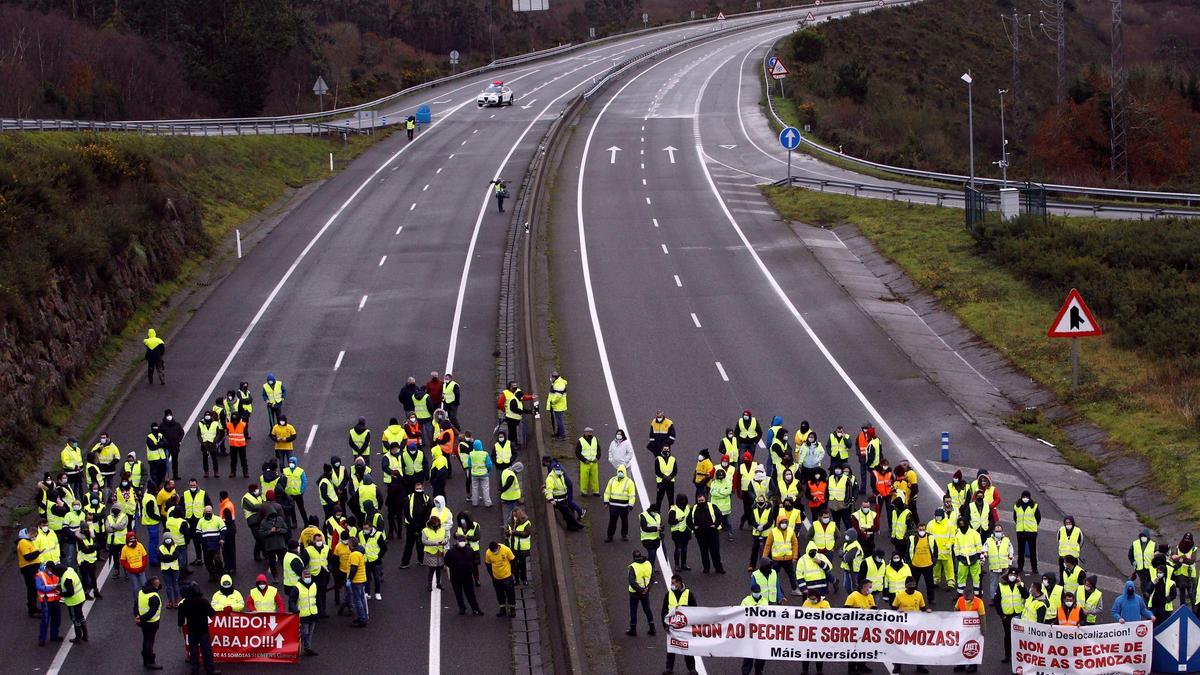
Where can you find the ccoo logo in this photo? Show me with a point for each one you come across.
(677, 620)
(1142, 631)
(970, 649)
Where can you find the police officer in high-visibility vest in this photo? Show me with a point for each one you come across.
(557, 402)
(650, 528)
(1009, 602)
(640, 579)
(587, 451)
(273, 394)
(679, 596)
(147, 617)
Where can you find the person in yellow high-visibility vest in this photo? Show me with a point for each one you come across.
(587, 451)
(557, 402)
(968, 551)
(274, 394)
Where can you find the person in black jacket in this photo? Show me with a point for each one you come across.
(194, 613)
(406, 395)
(416, 514)
(172, 432)
(678, 596)
(462, 563)
(703, 521)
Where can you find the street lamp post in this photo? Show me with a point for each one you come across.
(1003, 142)
(970, 122)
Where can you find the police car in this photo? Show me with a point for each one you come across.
(496, 94)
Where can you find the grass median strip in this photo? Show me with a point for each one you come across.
(1144, 393)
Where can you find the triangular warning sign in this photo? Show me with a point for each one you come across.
(1074, 319)
(810, 18)
(779, 71)
(720, 16)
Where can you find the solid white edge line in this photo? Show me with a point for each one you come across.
(312, 433)
(338, 363)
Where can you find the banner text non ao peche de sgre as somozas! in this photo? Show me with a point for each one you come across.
(837, 635)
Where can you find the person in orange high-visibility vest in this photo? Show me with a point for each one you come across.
(235, 437)
(1069, 613)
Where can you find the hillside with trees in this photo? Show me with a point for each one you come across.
(886, 85)
(143, 59)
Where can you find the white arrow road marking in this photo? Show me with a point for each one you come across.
(730, 146)
(527, 106)
(613, 150)
(670, 150)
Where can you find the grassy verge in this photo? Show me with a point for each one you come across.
(227, 179)
(1147, 404)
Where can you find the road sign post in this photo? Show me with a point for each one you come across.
(645, 20)
(1074, 320)
(945, 446)
(320, 89)
(454, 56)
(789, 138)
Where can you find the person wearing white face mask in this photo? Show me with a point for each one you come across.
(620, 451)
(172, 432)
(460, 562)
(1027, 516)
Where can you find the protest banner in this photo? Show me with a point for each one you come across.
(836, 635)
(1104, 649)
(242, 637)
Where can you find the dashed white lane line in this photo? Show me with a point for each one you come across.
(721, 370)
(338, 363)
(655, 221)
(696, 320)
(439, 169)
(678, 283)
(665, 251)
(382, 260)
(647, 200)
(451, 156)
(475, 132)
(399, 228)
(362, 302)
(643, 181)
(463, 143)
(312, 436)
(425, 188)
(414, 205)
(643, 165)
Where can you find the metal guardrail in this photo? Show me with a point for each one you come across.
(325, 121)
(1188, 199)
(941, 197)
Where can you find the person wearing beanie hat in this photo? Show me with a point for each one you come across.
(640, 579)
(957, 490)
(1141, 553)
(1091, 601)
(756, 598)
(134, 560)
(743, 485)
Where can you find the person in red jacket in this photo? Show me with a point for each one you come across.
(434, 388)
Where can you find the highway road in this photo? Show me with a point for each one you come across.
(389, 269)
(676, 287)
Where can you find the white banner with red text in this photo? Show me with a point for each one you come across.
(837, 635)
(1105, 649)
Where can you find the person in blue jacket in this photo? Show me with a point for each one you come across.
(1130, 606)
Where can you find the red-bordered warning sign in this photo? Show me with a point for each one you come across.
(1074, 319)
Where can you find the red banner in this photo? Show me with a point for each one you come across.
(243, 637)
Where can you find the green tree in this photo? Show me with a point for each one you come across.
(808, 46)
(851, 81)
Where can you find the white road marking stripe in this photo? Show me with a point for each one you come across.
(382, 260)
(655, 221)
(678, 282)
(756, 211)
(439, 169)
(643, 181)
(414, 205)
(695, 320)
(721, 369)
(338, 363)
(312, 436)
(647, 200)
(362, 302)
(399, 228)
(425, 188)
(665, 251)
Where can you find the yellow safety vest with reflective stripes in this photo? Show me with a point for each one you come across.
(274, 393)
(1012, 602)
(1069, 543)
(1025, 516)
(143, 605)
(641, 574)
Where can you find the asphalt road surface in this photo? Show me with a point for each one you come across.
(676, 287)
(389, 269)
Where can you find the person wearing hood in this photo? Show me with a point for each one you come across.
(134, 560)
(156, 350)
(1129, 606)
(620, 450)
(273, 394)
(1183, 561)
(416, 514)
(264, 597)
(968, 549)
(556, 492)
(172, 432)
(811, 455)
(620, 495)
(466, 527)
(226, 597)
(273, 532)
(721, 494)
(433, 544)
(958, 490)
(359, 438)
(1028, 517)
(194, 613)
(760, 526)
(778, 449)
(1162, 592)
(1141, 553)
(147, 616)
(479, 466)
(705, 522)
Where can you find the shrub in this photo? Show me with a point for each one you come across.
(808, 46)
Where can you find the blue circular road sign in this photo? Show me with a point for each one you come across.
(789, 138)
